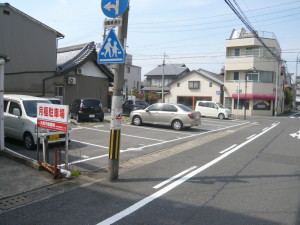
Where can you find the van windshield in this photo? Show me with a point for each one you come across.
(220, 105)
(31, 107)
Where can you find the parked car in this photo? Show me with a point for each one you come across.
(55, 100)
(86, 109)
(212, 109)
(20, 120)
(177, 116)
(130, 105)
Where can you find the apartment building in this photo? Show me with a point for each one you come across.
(253, 77)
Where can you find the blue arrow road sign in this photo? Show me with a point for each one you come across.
(111, 51)
(113, 8)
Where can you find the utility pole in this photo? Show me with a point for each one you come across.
(116, 112)
(245, 100)
(3, 60)
(276, 89)
(163, 79)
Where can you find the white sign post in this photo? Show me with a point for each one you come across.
(54, 117)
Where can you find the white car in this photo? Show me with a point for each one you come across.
(20, 120)
(212, 109)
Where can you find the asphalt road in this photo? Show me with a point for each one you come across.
(245, 174)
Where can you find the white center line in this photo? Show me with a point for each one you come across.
(227, 149)
(251, 136)
(174, 177)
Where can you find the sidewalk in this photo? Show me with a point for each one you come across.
(19, 175)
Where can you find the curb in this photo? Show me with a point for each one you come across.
(20, 158)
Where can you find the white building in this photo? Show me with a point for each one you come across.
(196, 85)
(252, 74)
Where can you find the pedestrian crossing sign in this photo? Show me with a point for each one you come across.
(111, 51)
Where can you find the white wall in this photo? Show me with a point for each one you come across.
(183, 90)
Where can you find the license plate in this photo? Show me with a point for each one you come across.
(54, 137)
(92, 116)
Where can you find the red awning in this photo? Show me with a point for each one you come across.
(254, 96)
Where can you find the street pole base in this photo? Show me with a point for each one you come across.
(113, 170)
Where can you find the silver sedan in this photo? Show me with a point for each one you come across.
(177, 116)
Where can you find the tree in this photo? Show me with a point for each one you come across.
(288, 97)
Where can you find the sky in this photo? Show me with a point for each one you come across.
(192, 32)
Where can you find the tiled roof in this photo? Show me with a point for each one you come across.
(69, 57)
(73, 56)
(168, 69)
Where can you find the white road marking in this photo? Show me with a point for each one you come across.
(146, 146)
(155, 129)
(265, 128)
(176, 183)
(251, 136)
(227, 149)
(174, 177)
(209, 124)
(82, 142)
(128, 135)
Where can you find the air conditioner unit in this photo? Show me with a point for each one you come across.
(71, 80)
(79, 71)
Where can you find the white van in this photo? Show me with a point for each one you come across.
(20, 120)
(212, 109)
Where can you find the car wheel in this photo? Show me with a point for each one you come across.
(77, 118)
(177, 125)
(101, 119)
(221, 116)
(137, 120)
(28, 141)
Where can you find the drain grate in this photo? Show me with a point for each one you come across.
(12, 202)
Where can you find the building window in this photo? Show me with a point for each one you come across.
(266, 77)
(228, 102)
(59, 91)
(262, 104)
(210, 84)
(242, 103)
(127, 69)
(236, 76)
(252, 51)
(194, 84)
(237, 52)
(252, 76)
(178, 84)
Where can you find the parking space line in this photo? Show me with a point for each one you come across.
(181, 138)
(82, 142)
(213, 125)
(128, 135)
(155, 129)
(164, 142)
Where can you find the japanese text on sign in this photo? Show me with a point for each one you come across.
(52, 116)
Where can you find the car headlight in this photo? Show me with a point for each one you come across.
(41, 130)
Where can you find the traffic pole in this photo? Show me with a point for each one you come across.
(116, 109)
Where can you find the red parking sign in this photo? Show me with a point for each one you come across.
(52, 116)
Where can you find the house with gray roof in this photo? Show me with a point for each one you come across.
(166, 72)
(196, 85)
(80, 76)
